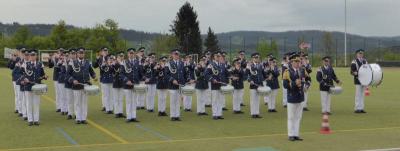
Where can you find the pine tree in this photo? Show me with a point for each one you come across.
(211, 42)
(186, 29)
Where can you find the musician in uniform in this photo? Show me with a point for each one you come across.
(272, 73)
(162, 85)
(208, 94)
(150, 80)
(285, 65)
(80, 75)
(53, 61)
(177, 77)
(265, 64)
(106, 81)
(118, 85)
(62, 59)
(294, 81)
(305, 64)
(13, 65)
(140, 78)
(256, 76)
(237, 75)
(105, 87)
(325, 76)
(214, 70)
(189, 69)
(201, 85)
(359, 96)
(69, 96)
(225, 68)
(33, 73)
(243, 64)
(130, 65)
(19, 72)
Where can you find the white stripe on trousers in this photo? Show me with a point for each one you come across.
(162, 99)
(80, 105)
(325, 101)
(272, 99)
(208, 95)
(254, 102)
(62, 97)
(56, 90)
(201, 99)
(151, 93)
(130, 104)
(69, 96)
(216, 102)
(33, 104)
(117, 101)
(294, 114)
(16, 99)
(174, 103)
(359, 98)
(305, 102)
(237, 99)
(106, 96)
(22, 97)
(187, 102)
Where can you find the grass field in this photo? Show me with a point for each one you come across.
(379, 128)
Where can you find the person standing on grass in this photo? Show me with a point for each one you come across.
(355, 65)
(53, 61)
(243, 64)
(214, 70)
(13, 65)
(129, 79)
(325, 76)
(238, 75)
(105, 79)
(80, 75)
(189, 69)
(68, 85)
(256, 74)
(294, 79)
(201, 85)
(33, 73)
(285, 65)
(272, 73)
(305, 64)
(150, 80)
(162, 85)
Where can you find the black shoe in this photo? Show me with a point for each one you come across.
(178, 119)
(142, 108)
(20, 114)
(291, 138)
(272, 110)
(150, 111)
(241, 104)
(362, 111)
(224, 109)
(103, 109)
(238, 112)
(265, 103)
(119, 115)
(328, 113)
(215, 118)
(188, 110)
(208, 105)
(58, 110)
(159, 114)
(357, 111)
(83, 122)
(164, 114)
(78, 122)
(220, 117)
(36, 123)
(173, 118)
(298, 138)
(109, 112)
(256, 116)
(16, 111)
(285, 106)
(25, 118)
(69, 117)
(306, 109)
(137, 108)
(63, 113)
(30, 123)
(128, 120)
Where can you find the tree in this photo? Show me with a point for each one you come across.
(40, 42)
(211, 42)
(263, 47)
(21, 36)
(59, 35)
(161, 45)
(186, 29)
(112, 34)
(327, 43)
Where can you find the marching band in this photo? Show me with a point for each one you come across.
(138, 79)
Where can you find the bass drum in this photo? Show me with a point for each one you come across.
(370, 75)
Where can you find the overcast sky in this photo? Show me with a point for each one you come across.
(365, 17)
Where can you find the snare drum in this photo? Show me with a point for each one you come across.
(39, 89)
(91, 89)
(335, 90)
(370, 75)
(140, 88)
(187, 90)
(228, 89)
(264, 90)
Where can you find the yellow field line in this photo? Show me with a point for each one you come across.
(190, 140)
(94, 124)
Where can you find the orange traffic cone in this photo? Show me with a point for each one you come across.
(366, 92)
(325, 125)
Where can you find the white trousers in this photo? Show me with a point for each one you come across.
(23, 100)
(187, 102)
(284, 96)
(56, 90)
(117, 101)
(201, 99)
(62, 97)
(69, 96)
(216, 102)
(272, 99)
(359, 98)
(80, 99)
(222, 100)
(33, 104)
(174, 103)
(254, 102)
(325, 101)
(16, 100)
(208, 95)
(162, 99)
(294, 113)
(140, 98)
(305, 102)
(130, 104)
(106, 96)
(237, 99)
(151, 93)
